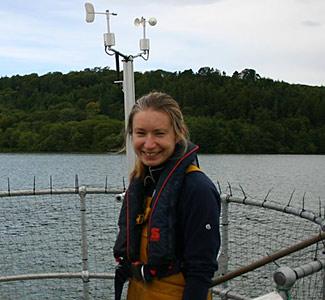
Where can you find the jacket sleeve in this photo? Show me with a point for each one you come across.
(119, 249)
(199, 232)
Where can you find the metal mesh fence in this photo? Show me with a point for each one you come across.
(256, 232)
(30, 226)
(47, 289)
(42, 234)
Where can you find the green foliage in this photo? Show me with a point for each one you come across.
(84, 112)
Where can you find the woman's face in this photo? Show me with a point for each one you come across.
(153, 137)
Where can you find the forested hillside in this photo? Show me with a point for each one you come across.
(83, 111)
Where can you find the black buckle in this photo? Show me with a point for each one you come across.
(140, 219)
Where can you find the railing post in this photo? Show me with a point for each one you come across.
(323, 271)
(223, 258)
(84, 242)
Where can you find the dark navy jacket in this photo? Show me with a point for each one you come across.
(194, 238)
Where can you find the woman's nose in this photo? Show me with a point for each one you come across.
(149, 142)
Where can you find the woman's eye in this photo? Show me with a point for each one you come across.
(160, 133)
(140, 133)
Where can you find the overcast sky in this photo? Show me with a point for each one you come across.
(280, 39)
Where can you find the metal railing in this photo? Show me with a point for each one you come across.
(226, 291)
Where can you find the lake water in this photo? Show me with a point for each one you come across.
(257, 174)
(30, 228)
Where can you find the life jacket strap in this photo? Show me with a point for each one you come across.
(142, 218)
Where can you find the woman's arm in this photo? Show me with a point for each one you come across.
(199, 232)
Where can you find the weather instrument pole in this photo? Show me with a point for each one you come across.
(128, 73)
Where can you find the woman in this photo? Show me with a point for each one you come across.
(169, 222)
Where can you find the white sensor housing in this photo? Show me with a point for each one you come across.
(144, 44)
(109, 39)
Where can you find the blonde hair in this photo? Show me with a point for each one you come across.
(162, 102)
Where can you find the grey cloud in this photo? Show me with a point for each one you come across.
(191, 2)
(169, 2)
(310, 23)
